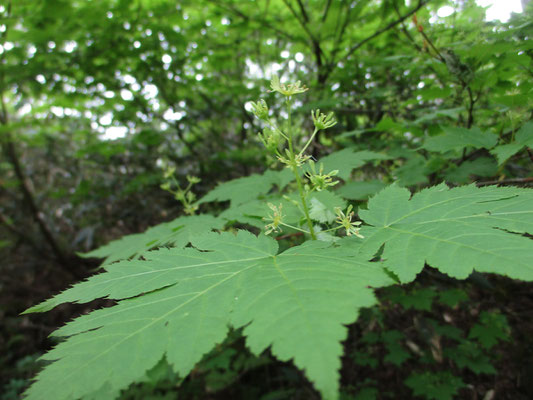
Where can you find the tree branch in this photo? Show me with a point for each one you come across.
(421, 3)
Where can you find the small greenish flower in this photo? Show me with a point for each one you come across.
(298, 161)
(180, 196)
(165, 186)
(190, 197)
(271, 139)
(288, 89)
(345, 220)
(169, 172)
(190, 209)
(260, 110)
(321, 181)
(193, 180)
(276, 219)
(323, 121)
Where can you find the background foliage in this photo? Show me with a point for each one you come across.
(419, 101)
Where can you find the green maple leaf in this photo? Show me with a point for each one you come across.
(457, 138)
(434, 386)
(454, 230)
(179, 303)
(175, 233)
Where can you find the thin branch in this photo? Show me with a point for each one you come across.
(302, 9)
(405, 31)
(247, 18)
(421, 3)
(326, 11)
(314, 41)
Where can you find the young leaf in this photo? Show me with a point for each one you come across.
(179, 303)
(434, 386)
(455, 230)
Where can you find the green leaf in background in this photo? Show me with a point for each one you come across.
(492, 328)
(453, 297)
(434, 386)
(396, 353)
(348, 159)
(413, 172)
(468, 355)
(457, 138)
(360, 190)
(417, 299)
(482, 166)
(523, 138)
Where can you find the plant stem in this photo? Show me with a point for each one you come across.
(294, 169)
(309, 141)
(294, 227)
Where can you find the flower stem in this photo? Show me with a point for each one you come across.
(294, 169)
(309, 141)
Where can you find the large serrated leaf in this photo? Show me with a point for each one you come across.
(455, 230)
(179, 303)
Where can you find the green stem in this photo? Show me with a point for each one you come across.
(294, 227)
(309, 141)
(294, 169)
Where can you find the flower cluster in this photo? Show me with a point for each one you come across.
(297, 161)
(323, 121)
(276, 219)
(185, 196)
(260, 109)
(288, 89)
(320, 180)
(345, 221)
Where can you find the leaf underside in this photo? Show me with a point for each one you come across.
(454, 230)
(181, 302)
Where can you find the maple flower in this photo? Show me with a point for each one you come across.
(297, 161)
(276, 219)
(323, 121)
(260, 109)
(345, 220)
(320, 180)
(288, 89)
